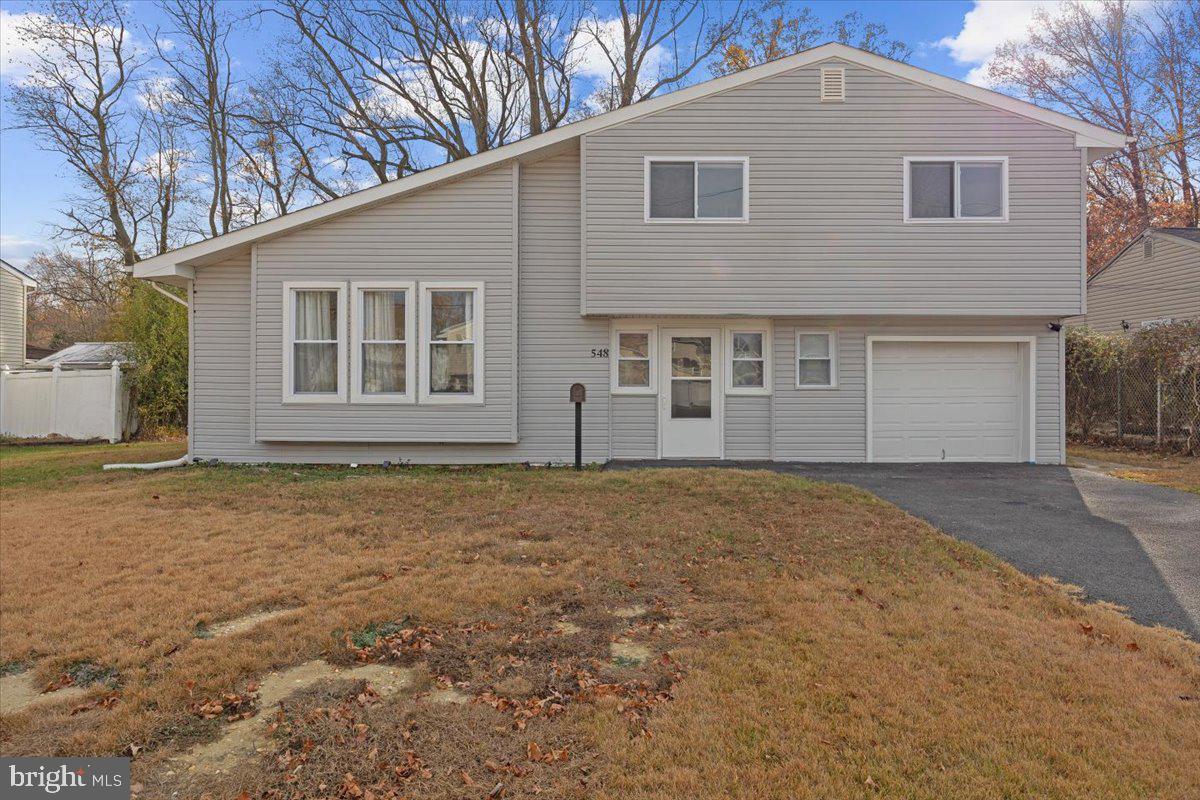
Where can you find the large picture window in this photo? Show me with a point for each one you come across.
(697, 189)
(973, 189)
(452, 327)
(383, 322)
(314, 346)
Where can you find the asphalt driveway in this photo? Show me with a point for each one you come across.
(1129, 543)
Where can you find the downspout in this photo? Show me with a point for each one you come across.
(183, 460)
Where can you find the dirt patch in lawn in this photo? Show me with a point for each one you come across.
(801, 640)
(239, 624)
(20, 692)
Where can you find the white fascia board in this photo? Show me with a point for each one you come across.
(175, 263)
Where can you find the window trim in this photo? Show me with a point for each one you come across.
(696, 160)
(289, 302)
(749, 326)
(614, 358)
(833, 358)
(957, 218)
(426, 289)
(357, 290)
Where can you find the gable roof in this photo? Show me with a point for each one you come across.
(1185, 236)
(178, 265)
(21, 275)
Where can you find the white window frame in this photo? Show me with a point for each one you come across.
(750, 326)
(696, 161)
(833, 359)
(357, 290)
(426, 289)
(614, 357)
(289, 303)
(958, 217)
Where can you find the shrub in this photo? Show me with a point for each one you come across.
(156, 330)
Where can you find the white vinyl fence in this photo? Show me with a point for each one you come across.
(75, 403)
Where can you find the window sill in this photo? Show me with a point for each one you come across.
(452, 400)
(956, 221)
(628, 391)
(748, 392)
(809, 388)
(694, 221)
(383, 399)
(327, 399)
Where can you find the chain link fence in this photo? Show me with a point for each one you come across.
(1136, 390)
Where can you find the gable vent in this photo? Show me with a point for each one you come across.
(833, 84)
(1147, 248)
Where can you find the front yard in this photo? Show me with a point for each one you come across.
(503, 632)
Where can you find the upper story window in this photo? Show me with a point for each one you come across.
(973, 189)
(383, 325)
(452, 357)
(697, 189)
(314, 346)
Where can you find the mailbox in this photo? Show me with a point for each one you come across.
(578, 393)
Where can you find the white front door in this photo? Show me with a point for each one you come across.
(690, 393)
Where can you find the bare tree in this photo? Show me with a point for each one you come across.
(447, 67)
(1173, 36)
(73, 101)
(645, 30)
(200, 71)
(870, 36)
(322, 91)
(1086, 59)
(159, 193)
(777, 28)
(544, 39)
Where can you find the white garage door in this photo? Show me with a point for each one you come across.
(948, 401)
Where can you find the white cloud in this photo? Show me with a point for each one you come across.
(594, 65)
(15, 51)
(988, 25)
(16, 249)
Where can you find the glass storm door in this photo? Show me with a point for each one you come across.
(690, 394)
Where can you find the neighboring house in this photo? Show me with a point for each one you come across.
(1156, 278)
(15, 286)
(86, 354)
(831, 257)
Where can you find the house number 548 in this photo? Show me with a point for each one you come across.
(599, 352)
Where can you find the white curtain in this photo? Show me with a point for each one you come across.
(383, 364)
(314, 362)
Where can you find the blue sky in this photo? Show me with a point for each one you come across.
(951, 37)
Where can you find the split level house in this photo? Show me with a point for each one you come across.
(830, 257)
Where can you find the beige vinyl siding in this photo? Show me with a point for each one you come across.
(830, 424)
(747, 427)
(1134, 288)
(634, 427)
(12, 320)
(463, 231)
(826, 232)
(556, 344)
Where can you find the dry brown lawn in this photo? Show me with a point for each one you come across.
(1178, 472)
(810, 640)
